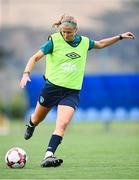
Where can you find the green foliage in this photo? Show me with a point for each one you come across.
(2, 107)
(17, 107)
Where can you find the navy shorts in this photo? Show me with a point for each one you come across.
(53, 95)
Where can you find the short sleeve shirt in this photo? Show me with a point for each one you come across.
(47, 47)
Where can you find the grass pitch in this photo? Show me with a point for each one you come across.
(88, 150)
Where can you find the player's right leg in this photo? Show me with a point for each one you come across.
(47, 99)
(38, 116)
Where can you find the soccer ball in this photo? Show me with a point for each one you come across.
(16, 158)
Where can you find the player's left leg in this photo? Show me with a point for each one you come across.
(64, 115)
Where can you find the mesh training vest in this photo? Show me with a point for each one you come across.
(65, 66)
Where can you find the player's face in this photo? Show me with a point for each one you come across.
(68, 33)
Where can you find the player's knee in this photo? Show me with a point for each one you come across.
(62, 126)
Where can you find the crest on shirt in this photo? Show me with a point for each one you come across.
(73, 55)
(41, 99)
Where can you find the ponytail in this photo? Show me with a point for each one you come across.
(58, 23)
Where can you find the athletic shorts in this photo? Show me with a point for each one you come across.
(53, 95)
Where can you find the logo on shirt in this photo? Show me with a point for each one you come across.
(69, 67)
(73, 55)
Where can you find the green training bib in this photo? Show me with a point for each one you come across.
(65, 66)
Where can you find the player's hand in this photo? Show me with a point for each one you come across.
(128, 35)
(24, 80)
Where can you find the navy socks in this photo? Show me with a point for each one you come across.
(31, 123)
(54, 142)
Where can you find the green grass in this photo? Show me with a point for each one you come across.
(89, 152)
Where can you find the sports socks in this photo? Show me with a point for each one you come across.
(31, 124)
(53, 144)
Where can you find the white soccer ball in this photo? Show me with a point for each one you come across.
(16, 158)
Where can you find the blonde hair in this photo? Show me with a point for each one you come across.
(65, 19)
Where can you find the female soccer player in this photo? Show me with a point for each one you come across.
(66, 54)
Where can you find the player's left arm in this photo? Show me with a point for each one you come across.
(109, 41)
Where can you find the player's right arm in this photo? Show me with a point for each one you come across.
(29, 67)
(44, 50)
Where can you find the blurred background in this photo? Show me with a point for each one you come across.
(111, 84)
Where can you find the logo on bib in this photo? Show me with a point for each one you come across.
(73, 55)
(69, 67)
